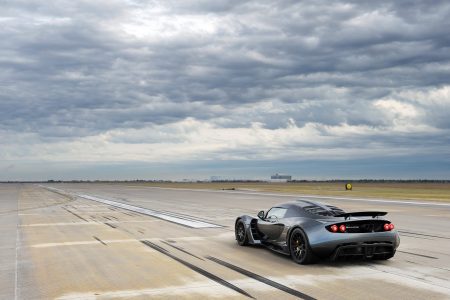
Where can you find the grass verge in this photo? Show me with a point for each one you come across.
(406, 190)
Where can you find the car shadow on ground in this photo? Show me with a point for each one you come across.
(327, 262)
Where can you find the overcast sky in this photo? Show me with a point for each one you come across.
(111, 89)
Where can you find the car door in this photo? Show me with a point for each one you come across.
(272, 226)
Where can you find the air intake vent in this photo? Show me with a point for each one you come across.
(326, 211)
(317, 210)
(335, 211)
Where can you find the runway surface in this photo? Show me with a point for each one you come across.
(112, 241)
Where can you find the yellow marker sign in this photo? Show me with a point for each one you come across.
(348, 187)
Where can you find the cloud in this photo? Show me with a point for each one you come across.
(240, 80)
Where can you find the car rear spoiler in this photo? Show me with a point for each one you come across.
(372, 214)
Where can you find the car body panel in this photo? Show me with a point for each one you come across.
(271, 229)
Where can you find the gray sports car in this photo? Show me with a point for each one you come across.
(307, 230)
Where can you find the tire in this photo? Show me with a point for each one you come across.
(241, 233)
(299, 248)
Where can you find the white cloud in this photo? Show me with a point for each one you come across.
(253, 80)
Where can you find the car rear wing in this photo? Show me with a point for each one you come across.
(372, 214)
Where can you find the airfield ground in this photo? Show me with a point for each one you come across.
(388, 190)
(58, 245)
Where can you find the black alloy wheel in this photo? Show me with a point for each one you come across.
(241, 235)
(298, 245)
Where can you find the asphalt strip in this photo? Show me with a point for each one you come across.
(261, 279)
(197, 269)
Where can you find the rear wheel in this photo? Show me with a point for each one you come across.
(299, 247)
(241, 233)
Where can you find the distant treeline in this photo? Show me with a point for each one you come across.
(242, 181)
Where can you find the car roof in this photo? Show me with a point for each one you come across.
(299, 203)
(313, 207)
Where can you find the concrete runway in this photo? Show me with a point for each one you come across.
(55, 245)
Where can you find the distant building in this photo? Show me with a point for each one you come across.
(280, 178)
(216, 178)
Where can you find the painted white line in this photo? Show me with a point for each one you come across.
(186, 221)
(86, 223)
(303, 196)
(94, 242)
(77, 243)
(61, 224)
(16, 276)
(53, 189)
(168, 216)
(30, 214)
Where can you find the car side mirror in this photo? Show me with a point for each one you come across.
(273, 219)
(261, 215)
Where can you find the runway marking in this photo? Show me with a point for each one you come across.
(59, 224)
(416, 263)
(110, 225)
(99, 240)
(86, 223)
(184, 216)
(261, 279)
(77, 243)
(167, 216)
(75, 214)
(30, 214)
(181, 249)
(421, 255)
(90, 242)
(439, 216)
(416, 237)
(418, 203)
(16, 275)
(423, 234)
(171, 217)
(197, 269)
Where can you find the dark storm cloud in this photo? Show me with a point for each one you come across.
(71, 70)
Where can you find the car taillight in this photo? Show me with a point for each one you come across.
(337, 228)
(333, 228)
(388, 226)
